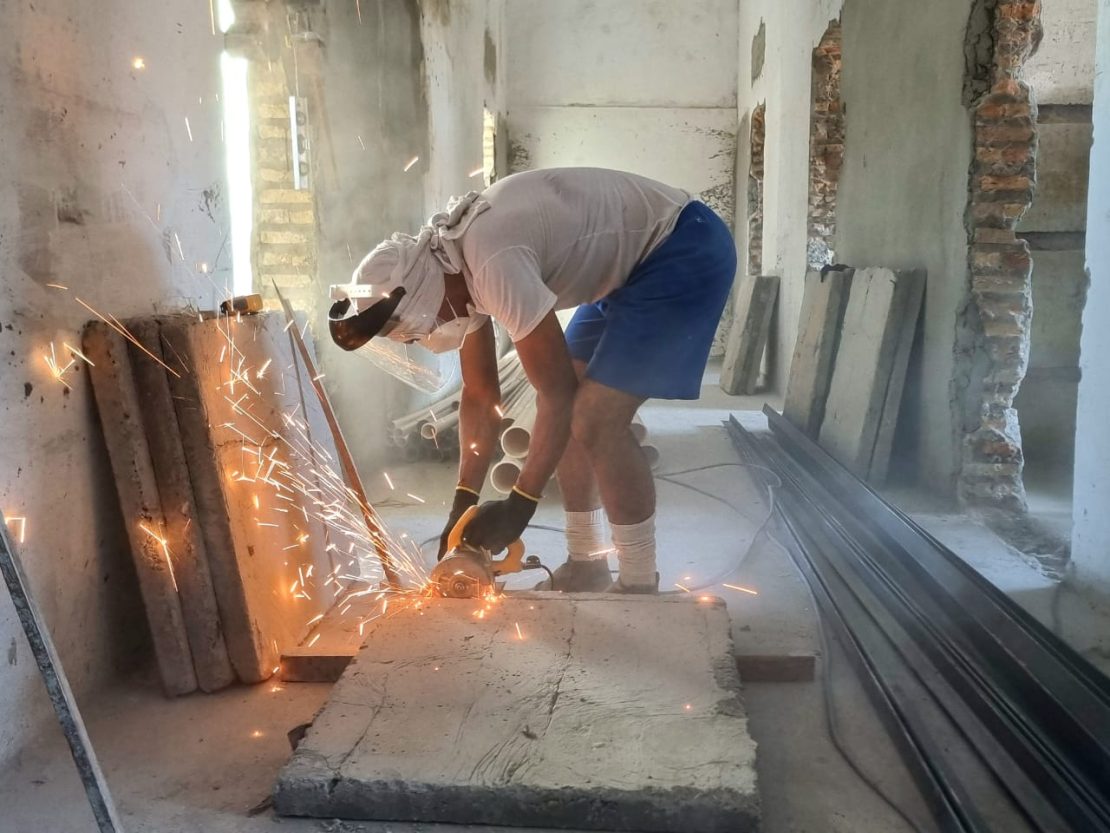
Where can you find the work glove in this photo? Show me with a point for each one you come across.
(500, 522)
(464, 499)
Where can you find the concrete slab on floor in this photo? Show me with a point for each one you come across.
(583, 711)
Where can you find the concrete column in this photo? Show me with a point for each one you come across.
(1091, 507)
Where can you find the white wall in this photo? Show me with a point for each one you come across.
(792, 30)
(1091, 506)
(98, 181)
(647, 87)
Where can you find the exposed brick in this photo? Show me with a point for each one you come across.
(283, 237)
(284, 256)
(269, 131)
(306, 218)
(273, 215)
(269, 196)
(273, 111)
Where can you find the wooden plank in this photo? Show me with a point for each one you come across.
(807, 389)
(245, 645)
(892, 405)
(878, 303)
(182, 532)
(57, 686)
(117, 401)
(747, 338)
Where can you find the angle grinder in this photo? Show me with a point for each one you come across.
(468, 572)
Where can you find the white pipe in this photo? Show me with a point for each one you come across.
(515, 441)
(651, 453)
(639, 430)
(503, 476)
(428, 431)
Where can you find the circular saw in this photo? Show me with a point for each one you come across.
(467, 571)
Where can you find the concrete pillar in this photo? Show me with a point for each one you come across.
(1091, 506)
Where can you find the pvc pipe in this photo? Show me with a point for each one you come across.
(428, 431)
(651, 453)
(515, 441)
(503, 476)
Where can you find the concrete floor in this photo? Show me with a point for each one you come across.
(202, 762)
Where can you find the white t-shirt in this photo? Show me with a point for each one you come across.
(560, 237)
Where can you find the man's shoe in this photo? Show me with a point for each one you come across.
(635, 589)
(580, 577)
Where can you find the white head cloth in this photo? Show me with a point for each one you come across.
(419, 264)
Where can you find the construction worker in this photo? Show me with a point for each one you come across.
(649, 270)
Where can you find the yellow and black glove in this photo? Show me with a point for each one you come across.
(500, 522)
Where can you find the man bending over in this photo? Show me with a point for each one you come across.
(649, 270)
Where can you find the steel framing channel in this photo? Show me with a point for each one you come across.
(1037, 713)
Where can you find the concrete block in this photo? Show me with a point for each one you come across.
(823, 303)
(869, 372)
(600, 712)
(117, 401)
(747, 339)
(184, 538)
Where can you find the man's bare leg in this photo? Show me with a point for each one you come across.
(587, 566)
(601, 426)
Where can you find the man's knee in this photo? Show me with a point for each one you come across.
(595, 426)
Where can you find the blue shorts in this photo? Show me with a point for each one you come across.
(651, 337)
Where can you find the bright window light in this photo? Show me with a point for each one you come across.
(237, 147)
(225, 15)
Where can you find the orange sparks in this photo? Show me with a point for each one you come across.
(78, 353)
(314, 640)
(256, 502)
(123, 331)
(476, 171)
(688, 707)
(22, 527)
(261, 372)
(385, 474)
(410, 163)
(138, 62)
(682, 587)
(747, 590)
(165, 549)
(519, 635)
(314, 619)
(417, 498)
(257, 733)
(57, 286)
(497, 410)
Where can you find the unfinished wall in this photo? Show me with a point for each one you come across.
(1061, 74)
(902, 193)
(826, 147)
(776, 42)
(1091, 531)
(107, 190)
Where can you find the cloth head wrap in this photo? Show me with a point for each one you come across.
(416, 264)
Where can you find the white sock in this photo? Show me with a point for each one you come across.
(635, 545)
(586, 535)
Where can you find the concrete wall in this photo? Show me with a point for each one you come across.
(903, 191)
(646, 87)
(1091, 530)
(775, 67)
(99, 179)
(374, 119)
(643, 87)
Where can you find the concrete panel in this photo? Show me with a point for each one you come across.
(1059, 293)
(685, 147)
(589, 712)
(747, 340)
(624, 52)
(903, 194)
(1063, 162)
(1090, 545)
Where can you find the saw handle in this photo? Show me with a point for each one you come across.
(513, 562)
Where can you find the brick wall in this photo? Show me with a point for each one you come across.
(755, 191)
(1002, 182)
(826, 147)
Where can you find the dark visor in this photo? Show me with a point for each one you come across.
(351, 333)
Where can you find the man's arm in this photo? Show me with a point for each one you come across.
(546, 360)
(481, 394)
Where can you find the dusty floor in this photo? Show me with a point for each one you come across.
(202, 762)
